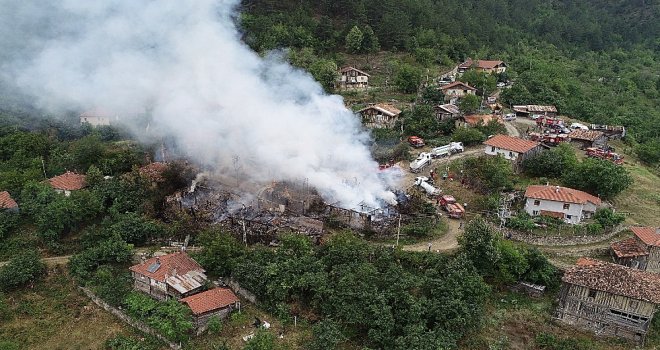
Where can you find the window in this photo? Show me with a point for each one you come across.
(535, 212)
(566, 206)
(511, 154)
(592, 293)
(569, 217)
(492, 149)
(537, 202)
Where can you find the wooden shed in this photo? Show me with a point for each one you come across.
(609, 299)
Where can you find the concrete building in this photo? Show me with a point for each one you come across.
(511, 148)
(571, 206)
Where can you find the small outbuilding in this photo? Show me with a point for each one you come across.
(588, 138)
(535, 110)
(511, 148)
(456, 90)
(68, 182)
(609, 299)
(217, 302)
(7, 203)
(446, 112)
(631, 253)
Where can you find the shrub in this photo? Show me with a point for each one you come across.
(606, 217)
(214, 324)
(468, 136)
(26, 267)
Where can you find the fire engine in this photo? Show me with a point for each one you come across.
(454, 209)
(606, 154)
(416, 141)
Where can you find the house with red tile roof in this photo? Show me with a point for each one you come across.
(352, 78)
(456, 90)
(174, 275)
(67, 182)
(6, 202)
(379, 115)
(643, 249)
(563, 203)
(609, 299)
(217, 302)
(511, 148)
(488, 66)
(97, 117)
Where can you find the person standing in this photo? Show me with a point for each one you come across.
(430, 244)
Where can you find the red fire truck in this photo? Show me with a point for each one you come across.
(606, 154)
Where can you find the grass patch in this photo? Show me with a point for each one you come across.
(54, 314)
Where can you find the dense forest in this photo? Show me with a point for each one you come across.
(597, 61)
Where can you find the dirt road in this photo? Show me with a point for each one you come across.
(52, 261)
(446, 243)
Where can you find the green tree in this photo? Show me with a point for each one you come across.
(134, 228)
(552, 163)
(598, 177)
(488, 174)
(327, 335)
(354, 40)
(485, 82)
(469, 136)
(24, 268)
(606, 217)
(512, 264)
(649, 152)
(220, 252)
(478, 244)
(110, 251)
(370, 44)
(469, 104)
(407, 78)
(325, 72)
(421, 121)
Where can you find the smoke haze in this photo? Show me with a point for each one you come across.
(183, 60)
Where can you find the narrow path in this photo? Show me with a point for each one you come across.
(511, 130)
(52, 261)
(447, 242)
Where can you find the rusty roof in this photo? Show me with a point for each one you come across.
(349, 68)
(385, 108)
(154, 171)
(587, 135)
(534, 108)
(648, 235)
(214, 299)
(511, 143)
(457, 83)
(483, 64)
(475, 119)
(629, 248)
(68, 181)
(6, 202)
(160, 268)
(560, 194)
(184, 283)
(615, 279)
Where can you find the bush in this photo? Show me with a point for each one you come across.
(419, 227)
(606, 217)
(8, 222)
(5, 311)
(110, 251)
(327, 335)
(25, 268)
(214, 325)
(522, 222)
(598, 177)
(112, 285)
(469, 136)
(171, 318)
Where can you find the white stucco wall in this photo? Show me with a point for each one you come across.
(493, 151)
(574, 210)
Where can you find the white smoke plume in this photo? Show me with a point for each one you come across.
(183, 60)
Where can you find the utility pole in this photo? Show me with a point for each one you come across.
(398, 231)
(43, 166)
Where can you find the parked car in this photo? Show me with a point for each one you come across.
(580, 126)
(510, 116)
(535, 116)
(501, 84)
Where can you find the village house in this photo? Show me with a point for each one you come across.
(511, 148)
(446, 112)
(587, 138)
(380, 115)
(563, 203)
(217, 302)
(630, 252)
(174, 275)
(67, 182)
(352, 78)
(535, 110)
(641, 251)
(96, 118)
(482, 66)
(609, 299)
(7, 203)
(457, 90)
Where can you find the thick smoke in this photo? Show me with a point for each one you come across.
(183, 62)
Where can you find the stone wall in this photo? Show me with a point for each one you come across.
(127, 319)
(244, 293)
(561, 240)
